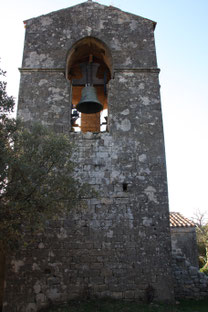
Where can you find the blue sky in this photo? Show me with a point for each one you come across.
(182, 48)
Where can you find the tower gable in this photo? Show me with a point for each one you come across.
(54, 34)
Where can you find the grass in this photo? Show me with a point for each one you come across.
(110, 305)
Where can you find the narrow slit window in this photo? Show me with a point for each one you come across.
(125, 186)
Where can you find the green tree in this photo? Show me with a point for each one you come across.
(36, 175)
(202, 239)
(200, 218)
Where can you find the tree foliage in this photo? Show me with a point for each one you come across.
(200, 218)
(202, 239)
(36, 175)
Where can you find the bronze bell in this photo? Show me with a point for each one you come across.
(89, 103)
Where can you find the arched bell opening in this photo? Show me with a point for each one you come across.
(89, 69)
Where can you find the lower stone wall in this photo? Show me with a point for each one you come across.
(81, 258)
(183, 240)
(117, 245)
(189, 283)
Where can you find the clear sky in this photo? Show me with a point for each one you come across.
(182, 50)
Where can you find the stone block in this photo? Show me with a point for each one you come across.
(129, 294)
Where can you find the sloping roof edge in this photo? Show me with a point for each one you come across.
(136, 16)
(96, 4)
(178, 220)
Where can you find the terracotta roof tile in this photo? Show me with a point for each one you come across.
(177, 220)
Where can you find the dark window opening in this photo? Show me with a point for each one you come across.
(47, 271)
(125, 187)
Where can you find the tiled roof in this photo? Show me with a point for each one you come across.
(177, 220)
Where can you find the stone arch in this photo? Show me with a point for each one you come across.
(89, 50)
(93, 43)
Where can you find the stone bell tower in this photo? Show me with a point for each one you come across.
(119, 246)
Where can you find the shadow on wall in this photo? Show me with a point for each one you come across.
(2, 269)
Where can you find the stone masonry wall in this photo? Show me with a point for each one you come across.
(44, 91)
(189, 283)
(44, 96)
(112, 247)
(119, 244)
(183, 241)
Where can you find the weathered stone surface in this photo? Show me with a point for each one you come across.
(189, 283)
(119, 245)
(183, 240)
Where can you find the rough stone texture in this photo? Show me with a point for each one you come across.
(183, 241)
(48, 39)
(189, 283)
(44, 96)
(119, 245)
(2, 266)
